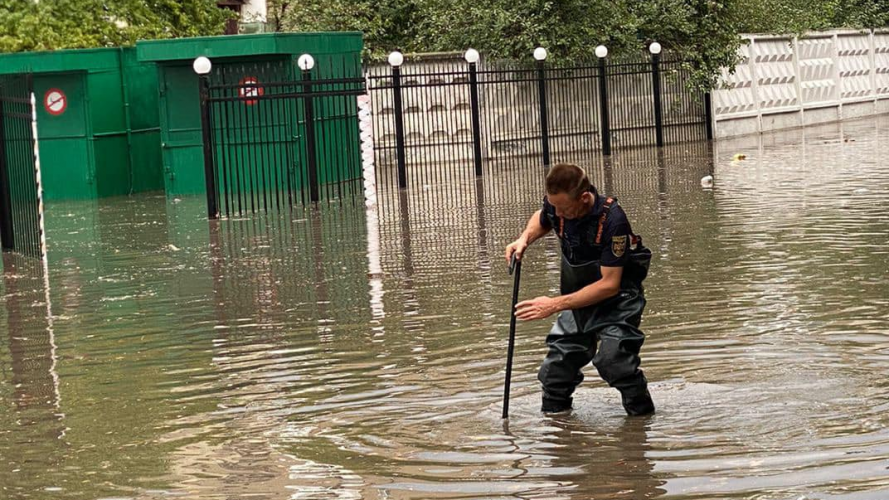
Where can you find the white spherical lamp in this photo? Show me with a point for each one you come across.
(540, 54)
(655, 48)
(396, 59)
(601, 51)
(306, 62)
(202, 65)
(472, 56)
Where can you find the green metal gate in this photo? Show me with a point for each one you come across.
(277, 136)
(19, 205)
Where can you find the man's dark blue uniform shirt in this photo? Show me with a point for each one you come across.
(578, 236)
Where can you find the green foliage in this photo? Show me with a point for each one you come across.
(800, 16)
(64, 24)
(703, 31)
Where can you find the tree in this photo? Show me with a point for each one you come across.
(703, 31)
(64, 24)
(386, 24)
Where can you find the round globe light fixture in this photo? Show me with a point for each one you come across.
(202, 65)
(472, 56)
(396, 59)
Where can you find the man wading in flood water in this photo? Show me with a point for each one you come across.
(603, 266)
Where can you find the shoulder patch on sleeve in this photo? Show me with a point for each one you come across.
(619, 245)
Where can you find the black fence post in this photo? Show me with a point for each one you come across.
(7, 236)
(602, 53)
(206, 123)
(309, 109)
(397, 59)
(708, 114)
(472, 59)
(655, 49)
(540, 56)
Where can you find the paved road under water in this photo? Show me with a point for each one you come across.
(341, 354)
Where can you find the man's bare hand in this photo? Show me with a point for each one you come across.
(516, 247)
(538, 308)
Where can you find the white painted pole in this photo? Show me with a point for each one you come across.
(57, 399)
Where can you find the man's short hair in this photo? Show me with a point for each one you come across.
(567, 178)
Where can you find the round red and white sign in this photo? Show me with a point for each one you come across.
(249, 87)
(55, 102)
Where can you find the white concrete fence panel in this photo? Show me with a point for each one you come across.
(785, 82)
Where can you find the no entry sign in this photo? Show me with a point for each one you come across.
(249, 87)
(55, 102)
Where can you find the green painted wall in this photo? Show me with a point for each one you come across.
(66, 153)
(106, 141)
(141, 82)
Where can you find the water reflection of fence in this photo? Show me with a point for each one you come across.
(624, 174)
(299, 263)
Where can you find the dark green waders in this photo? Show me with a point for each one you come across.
(609, 336)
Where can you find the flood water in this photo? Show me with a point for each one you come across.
(344, 354)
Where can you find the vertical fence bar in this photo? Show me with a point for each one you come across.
(708, 115)
(658, 108)
(544, 120)
(603, 107)
(309, 110)
(7, 238)
(209, 171)
(399, 126)
(476, 122)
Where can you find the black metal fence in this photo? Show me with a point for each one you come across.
(19, 205)
(448, 121)
(280, 143)
(296, 139)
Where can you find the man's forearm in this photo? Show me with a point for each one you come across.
(587, 296)
(534, 230)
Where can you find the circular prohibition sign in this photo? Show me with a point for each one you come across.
(55, 102)
(249, 87)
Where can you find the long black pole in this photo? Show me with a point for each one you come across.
(603, 107)
(7, 236)
(476, 127)
(399, 126)
(544, 120)
(209, 167)
(658, 107)
(311, 159)
(708, 115)
(515, 268)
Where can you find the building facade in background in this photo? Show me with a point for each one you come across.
(252, 16)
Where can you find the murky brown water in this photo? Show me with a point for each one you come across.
(341, 354)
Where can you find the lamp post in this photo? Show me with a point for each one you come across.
(602, 53)
(472, 56)
(655, 49)
(540, 56)
(306, 62)
(396, 59)
(202, 67)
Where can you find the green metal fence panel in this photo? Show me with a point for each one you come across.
(181, 131)
(69, 171)
(141, 101)
(109, 125)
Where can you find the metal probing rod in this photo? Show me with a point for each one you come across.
(515, 269)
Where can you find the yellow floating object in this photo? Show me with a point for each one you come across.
(739, 157)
